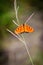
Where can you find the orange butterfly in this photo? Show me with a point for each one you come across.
(23, 28)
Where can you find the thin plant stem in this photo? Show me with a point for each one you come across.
(27, 50)
(29, 18)
(18, 37)
(16, 11)
(21, 38)
(15, 22)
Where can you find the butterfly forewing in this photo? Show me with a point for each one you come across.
(19, 30)
(28, 28)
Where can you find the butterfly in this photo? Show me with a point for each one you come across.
(24, 28)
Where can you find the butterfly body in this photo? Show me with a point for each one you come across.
(23, 29)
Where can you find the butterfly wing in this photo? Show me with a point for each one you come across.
(19, 30)
(28, 28)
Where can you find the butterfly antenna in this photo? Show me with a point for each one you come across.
(16, 11)
(15, 22)
(29, 18)
(27, 50)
